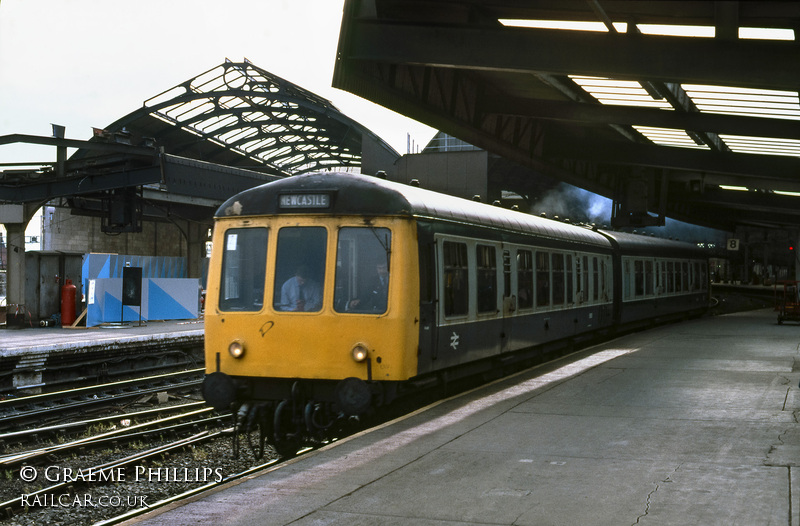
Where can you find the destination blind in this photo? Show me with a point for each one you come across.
(304, 201)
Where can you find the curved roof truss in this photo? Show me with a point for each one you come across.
(238, 114)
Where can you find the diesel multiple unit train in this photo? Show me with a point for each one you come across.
(329, 295)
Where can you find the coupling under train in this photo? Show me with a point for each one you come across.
(330, 295)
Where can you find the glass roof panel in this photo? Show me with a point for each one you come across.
(669, 137)
(618, 92)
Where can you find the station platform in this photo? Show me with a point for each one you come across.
(692, 423)
(55, 339)
(51, 358)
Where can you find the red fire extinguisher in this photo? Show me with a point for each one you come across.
(68, 303)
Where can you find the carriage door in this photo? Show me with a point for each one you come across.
(509, 302)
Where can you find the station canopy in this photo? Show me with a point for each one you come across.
(240, 115)
(685, 109)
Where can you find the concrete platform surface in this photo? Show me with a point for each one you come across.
(54, 339)
(687, 424)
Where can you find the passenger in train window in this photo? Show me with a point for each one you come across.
(375, 294)
(300, 293)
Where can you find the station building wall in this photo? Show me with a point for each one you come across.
(64, 232)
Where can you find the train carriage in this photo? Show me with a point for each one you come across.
(330, 294)
(658, 279)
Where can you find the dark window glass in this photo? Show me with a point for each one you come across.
(558, 279)
(685, 276)
(648, 278)
(300, 269)
(542, 279)
(570, 287)
(244, 264)
(670, 277)
(456, 287)
(487, 278)
(638, 266)
(362, 270)
(585, 278)
(525, 279)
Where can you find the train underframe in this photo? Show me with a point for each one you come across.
(290, 414)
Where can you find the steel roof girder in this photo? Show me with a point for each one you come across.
(629, 115)
(45, 190)
(744, 63)
(766, 167)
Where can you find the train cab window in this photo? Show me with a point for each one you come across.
(362, 270)
(300, 269)
(487, 278)
(542, 279)
(456, 286)
(558, 279)
(244, 265)
(525, 279)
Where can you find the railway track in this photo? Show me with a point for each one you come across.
(17, 412)
(72, 429)
(189, 420)
(66, 482)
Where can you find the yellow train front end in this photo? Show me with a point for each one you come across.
(316, 312)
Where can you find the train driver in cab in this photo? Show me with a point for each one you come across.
(375, 293)
(301, 293)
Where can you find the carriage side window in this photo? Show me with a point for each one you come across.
(648, 277)
(627, 278)
(570, 285)
(525, 279)
(542, 279)
(685, 276)
(362, 270)
(638, 269)
(456, 288)
(659, 277)
(244, 267)
(703, 278)
(596, 278)
(487, 278)
(558, 279)
(300, 269)
(670, 277)
(602, 285)
(585, 278)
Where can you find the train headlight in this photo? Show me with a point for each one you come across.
(359, 353)
(236, 349)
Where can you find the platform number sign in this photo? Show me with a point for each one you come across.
(733, 244)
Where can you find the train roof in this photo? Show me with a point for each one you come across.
(642, 245)
(351, 194)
